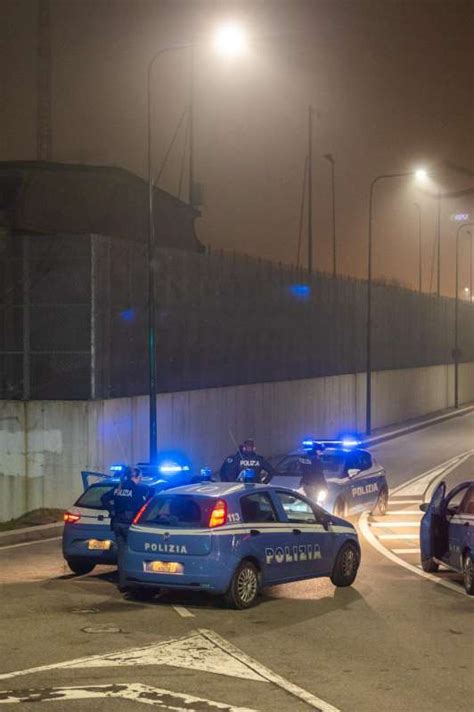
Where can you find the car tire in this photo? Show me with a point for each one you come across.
(339, 509)
(80, 568)
(381, 506)
(244, 587)
(468, 574)
(429, 565)
(346, 565)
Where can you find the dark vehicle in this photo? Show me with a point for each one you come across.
(447, 531)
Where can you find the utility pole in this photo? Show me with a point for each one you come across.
(44, 131)
(191, 191)
(310, 189)
(329, 157)
(438, 283)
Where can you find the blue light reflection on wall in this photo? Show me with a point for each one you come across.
(300, 291)
(127, 315)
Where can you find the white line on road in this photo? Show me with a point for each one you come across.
(29, 543)
(412, 550)
(404, 511)
(399, 500)
(183, 612)
(394, 525)
(269, 675)
(399, 536)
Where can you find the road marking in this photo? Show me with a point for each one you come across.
(429, 481)
(412, 550)
(164, 699)
(29, 543)
(398, 501)
(267, 674)
(183, 612)
(203, 650)
(394, 525)
(404, 511)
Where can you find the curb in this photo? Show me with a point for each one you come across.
(406, 430)
(26, 534)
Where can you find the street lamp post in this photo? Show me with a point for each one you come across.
(456, 318)
(418, 207)
(368, 367)
(329, 157)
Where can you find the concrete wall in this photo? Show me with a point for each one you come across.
(45, 444)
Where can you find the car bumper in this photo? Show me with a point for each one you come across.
(76, 544)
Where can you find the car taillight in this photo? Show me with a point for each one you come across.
(138, 515)
(71, 518)
(218, 515)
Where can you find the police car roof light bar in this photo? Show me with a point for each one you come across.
(117, 468)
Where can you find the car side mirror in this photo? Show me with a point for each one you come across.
(424, 506)
(353, 471)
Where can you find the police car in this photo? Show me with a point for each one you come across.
(447, 531)
(87, 537)
(234, 539)
(345, 479)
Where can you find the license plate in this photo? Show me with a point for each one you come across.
(163, 567)
(104, 545)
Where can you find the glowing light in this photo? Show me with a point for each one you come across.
(300, 291)
(460, 217)
(322, 494)
(218, 514)
(70, 518)
(172, 468)
(348, 443)
(466, 290)
(230, 40)
(117, 468)
(421, 174)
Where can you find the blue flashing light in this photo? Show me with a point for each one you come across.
(300, 291)
(117, 468)
(127, 315)
(308, 443)
(172, 468)
(349, 443)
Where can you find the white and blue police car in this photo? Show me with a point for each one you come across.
(447, 531)
(87, 537)
(234, 539)
(337, 474)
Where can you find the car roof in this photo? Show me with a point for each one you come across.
(220, 489)
(301, 452)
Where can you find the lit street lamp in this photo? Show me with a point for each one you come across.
(456, 317)
(420, 174)
(230, 40)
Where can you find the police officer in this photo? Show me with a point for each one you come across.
(123, 503)
(313, 474)
(244, 459)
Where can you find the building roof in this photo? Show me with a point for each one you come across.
(45, 197)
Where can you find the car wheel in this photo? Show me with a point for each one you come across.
(468, 574)
(382, 503)
(429, 565)
(244, 587)
(346, 565)
(339, 508)
(80, 568)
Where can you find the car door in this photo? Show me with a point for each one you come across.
(460, 518)
(433, 529)
(362, 481)
(259, 513)
(290, 472)
(308, 547)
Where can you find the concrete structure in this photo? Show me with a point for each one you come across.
(45, 444)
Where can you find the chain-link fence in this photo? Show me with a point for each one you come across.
(73, 320)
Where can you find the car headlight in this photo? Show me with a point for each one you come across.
(321, 496)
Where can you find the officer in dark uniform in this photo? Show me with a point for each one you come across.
(313, 474)
(123, 503)
(244, 459)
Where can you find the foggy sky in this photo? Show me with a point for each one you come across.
(391, 81)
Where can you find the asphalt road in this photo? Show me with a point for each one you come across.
(394, 640)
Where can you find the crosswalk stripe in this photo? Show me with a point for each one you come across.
(398, 536)
(403, 512)
(401, 500)
(412, 550)
(393, 525)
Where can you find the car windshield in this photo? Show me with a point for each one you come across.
(333, 463)
(91, 498)
(178, 510)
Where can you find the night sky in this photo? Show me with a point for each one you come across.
(391, 82)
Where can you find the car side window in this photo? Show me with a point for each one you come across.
(290, 466)
(297, 509)
(453, 503)
(365, 461)
(467, 504)
(257, 508)
(353, 462)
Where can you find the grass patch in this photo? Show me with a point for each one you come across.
(33, 519)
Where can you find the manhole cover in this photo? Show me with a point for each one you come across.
(84, 611)
(102, 629)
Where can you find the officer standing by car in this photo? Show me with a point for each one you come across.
(123, 503)
(313, 473)
(244, 459)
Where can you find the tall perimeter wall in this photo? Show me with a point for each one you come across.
(45, 444)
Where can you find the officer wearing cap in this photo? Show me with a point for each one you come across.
(123, 503)
(244, 459)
